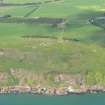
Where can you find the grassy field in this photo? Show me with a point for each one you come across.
(43, 55)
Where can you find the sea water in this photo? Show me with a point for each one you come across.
(29, 99)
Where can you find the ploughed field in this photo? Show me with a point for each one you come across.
(32, 53)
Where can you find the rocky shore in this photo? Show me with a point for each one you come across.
(49, 91)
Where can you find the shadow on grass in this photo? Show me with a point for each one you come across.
(82, 19)
(97, 35)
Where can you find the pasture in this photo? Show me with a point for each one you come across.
(82, 51)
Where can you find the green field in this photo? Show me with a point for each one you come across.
(46, 55)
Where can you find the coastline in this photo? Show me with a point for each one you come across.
(49, 91)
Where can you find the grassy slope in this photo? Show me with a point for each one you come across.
(46, 55)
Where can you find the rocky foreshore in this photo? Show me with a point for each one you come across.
(48, 91)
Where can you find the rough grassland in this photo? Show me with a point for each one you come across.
(46, 55)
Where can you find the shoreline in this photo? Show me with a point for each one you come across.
(48, 91)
